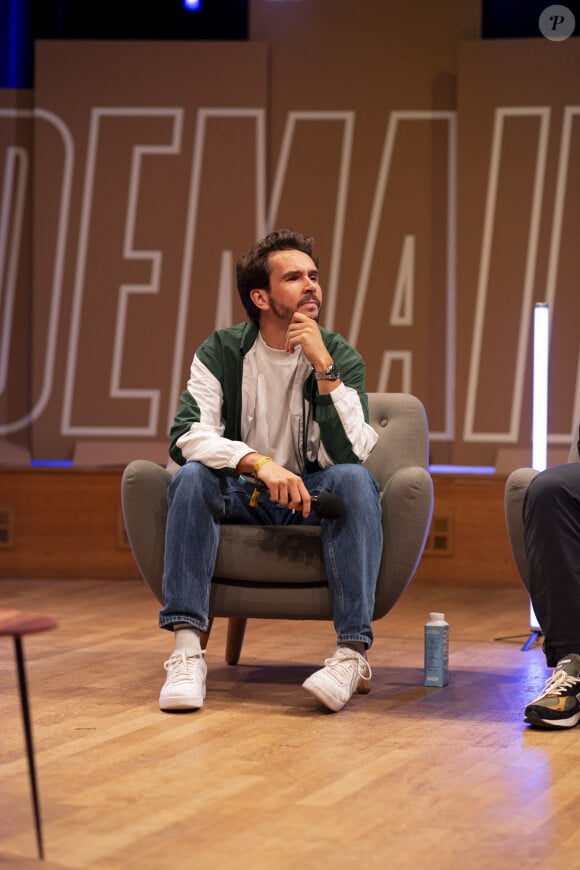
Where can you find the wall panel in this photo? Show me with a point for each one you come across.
(438, 173)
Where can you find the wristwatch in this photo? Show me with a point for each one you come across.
(330, 373)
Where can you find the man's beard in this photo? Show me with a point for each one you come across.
(283, 312)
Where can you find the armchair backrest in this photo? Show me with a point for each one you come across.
(401, 422)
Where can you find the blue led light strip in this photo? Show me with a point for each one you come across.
(462, 469)
(51, 463)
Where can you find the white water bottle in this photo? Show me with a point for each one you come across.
(436, 650)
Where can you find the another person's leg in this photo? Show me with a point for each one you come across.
(352, 546)
(551, 515)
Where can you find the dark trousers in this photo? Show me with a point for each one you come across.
(551, 514)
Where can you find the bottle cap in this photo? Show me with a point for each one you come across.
(436, 615)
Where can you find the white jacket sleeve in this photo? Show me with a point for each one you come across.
(205, 442)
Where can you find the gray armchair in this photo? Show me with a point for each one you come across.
(515, 490)
(277, 572)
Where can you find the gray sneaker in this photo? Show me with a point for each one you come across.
(558, 705)
(184, 688)
(343, 674)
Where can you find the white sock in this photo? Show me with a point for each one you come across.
(187, 639)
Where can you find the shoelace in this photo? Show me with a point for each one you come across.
(558, 682)
(338, 662)
(180, 664)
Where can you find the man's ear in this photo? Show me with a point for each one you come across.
(260, 298)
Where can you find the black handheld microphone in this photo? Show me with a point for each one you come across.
(327, 505)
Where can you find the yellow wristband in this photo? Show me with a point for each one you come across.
(261, 462)
(257, 466)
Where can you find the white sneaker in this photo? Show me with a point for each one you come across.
(346, 672)
(184, 687)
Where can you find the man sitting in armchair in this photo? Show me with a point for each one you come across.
(282, 399)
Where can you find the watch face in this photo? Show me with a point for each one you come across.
(329, 374)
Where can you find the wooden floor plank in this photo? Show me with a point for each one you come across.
(262, 777)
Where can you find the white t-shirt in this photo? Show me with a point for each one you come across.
(275, 427)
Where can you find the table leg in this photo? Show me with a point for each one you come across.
(29, 746)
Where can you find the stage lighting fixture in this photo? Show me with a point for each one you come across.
(540, 387)
(540, 407)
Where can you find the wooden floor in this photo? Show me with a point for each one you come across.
(261, 777)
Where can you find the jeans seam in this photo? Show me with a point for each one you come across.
(337, 587)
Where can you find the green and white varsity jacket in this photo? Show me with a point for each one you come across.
(221, 395)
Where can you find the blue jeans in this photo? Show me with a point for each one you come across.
(201, 500)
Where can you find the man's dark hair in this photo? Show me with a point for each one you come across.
(253, 269)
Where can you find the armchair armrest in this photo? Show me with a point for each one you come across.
(144, 496)
(407, 506)
(515, 490)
